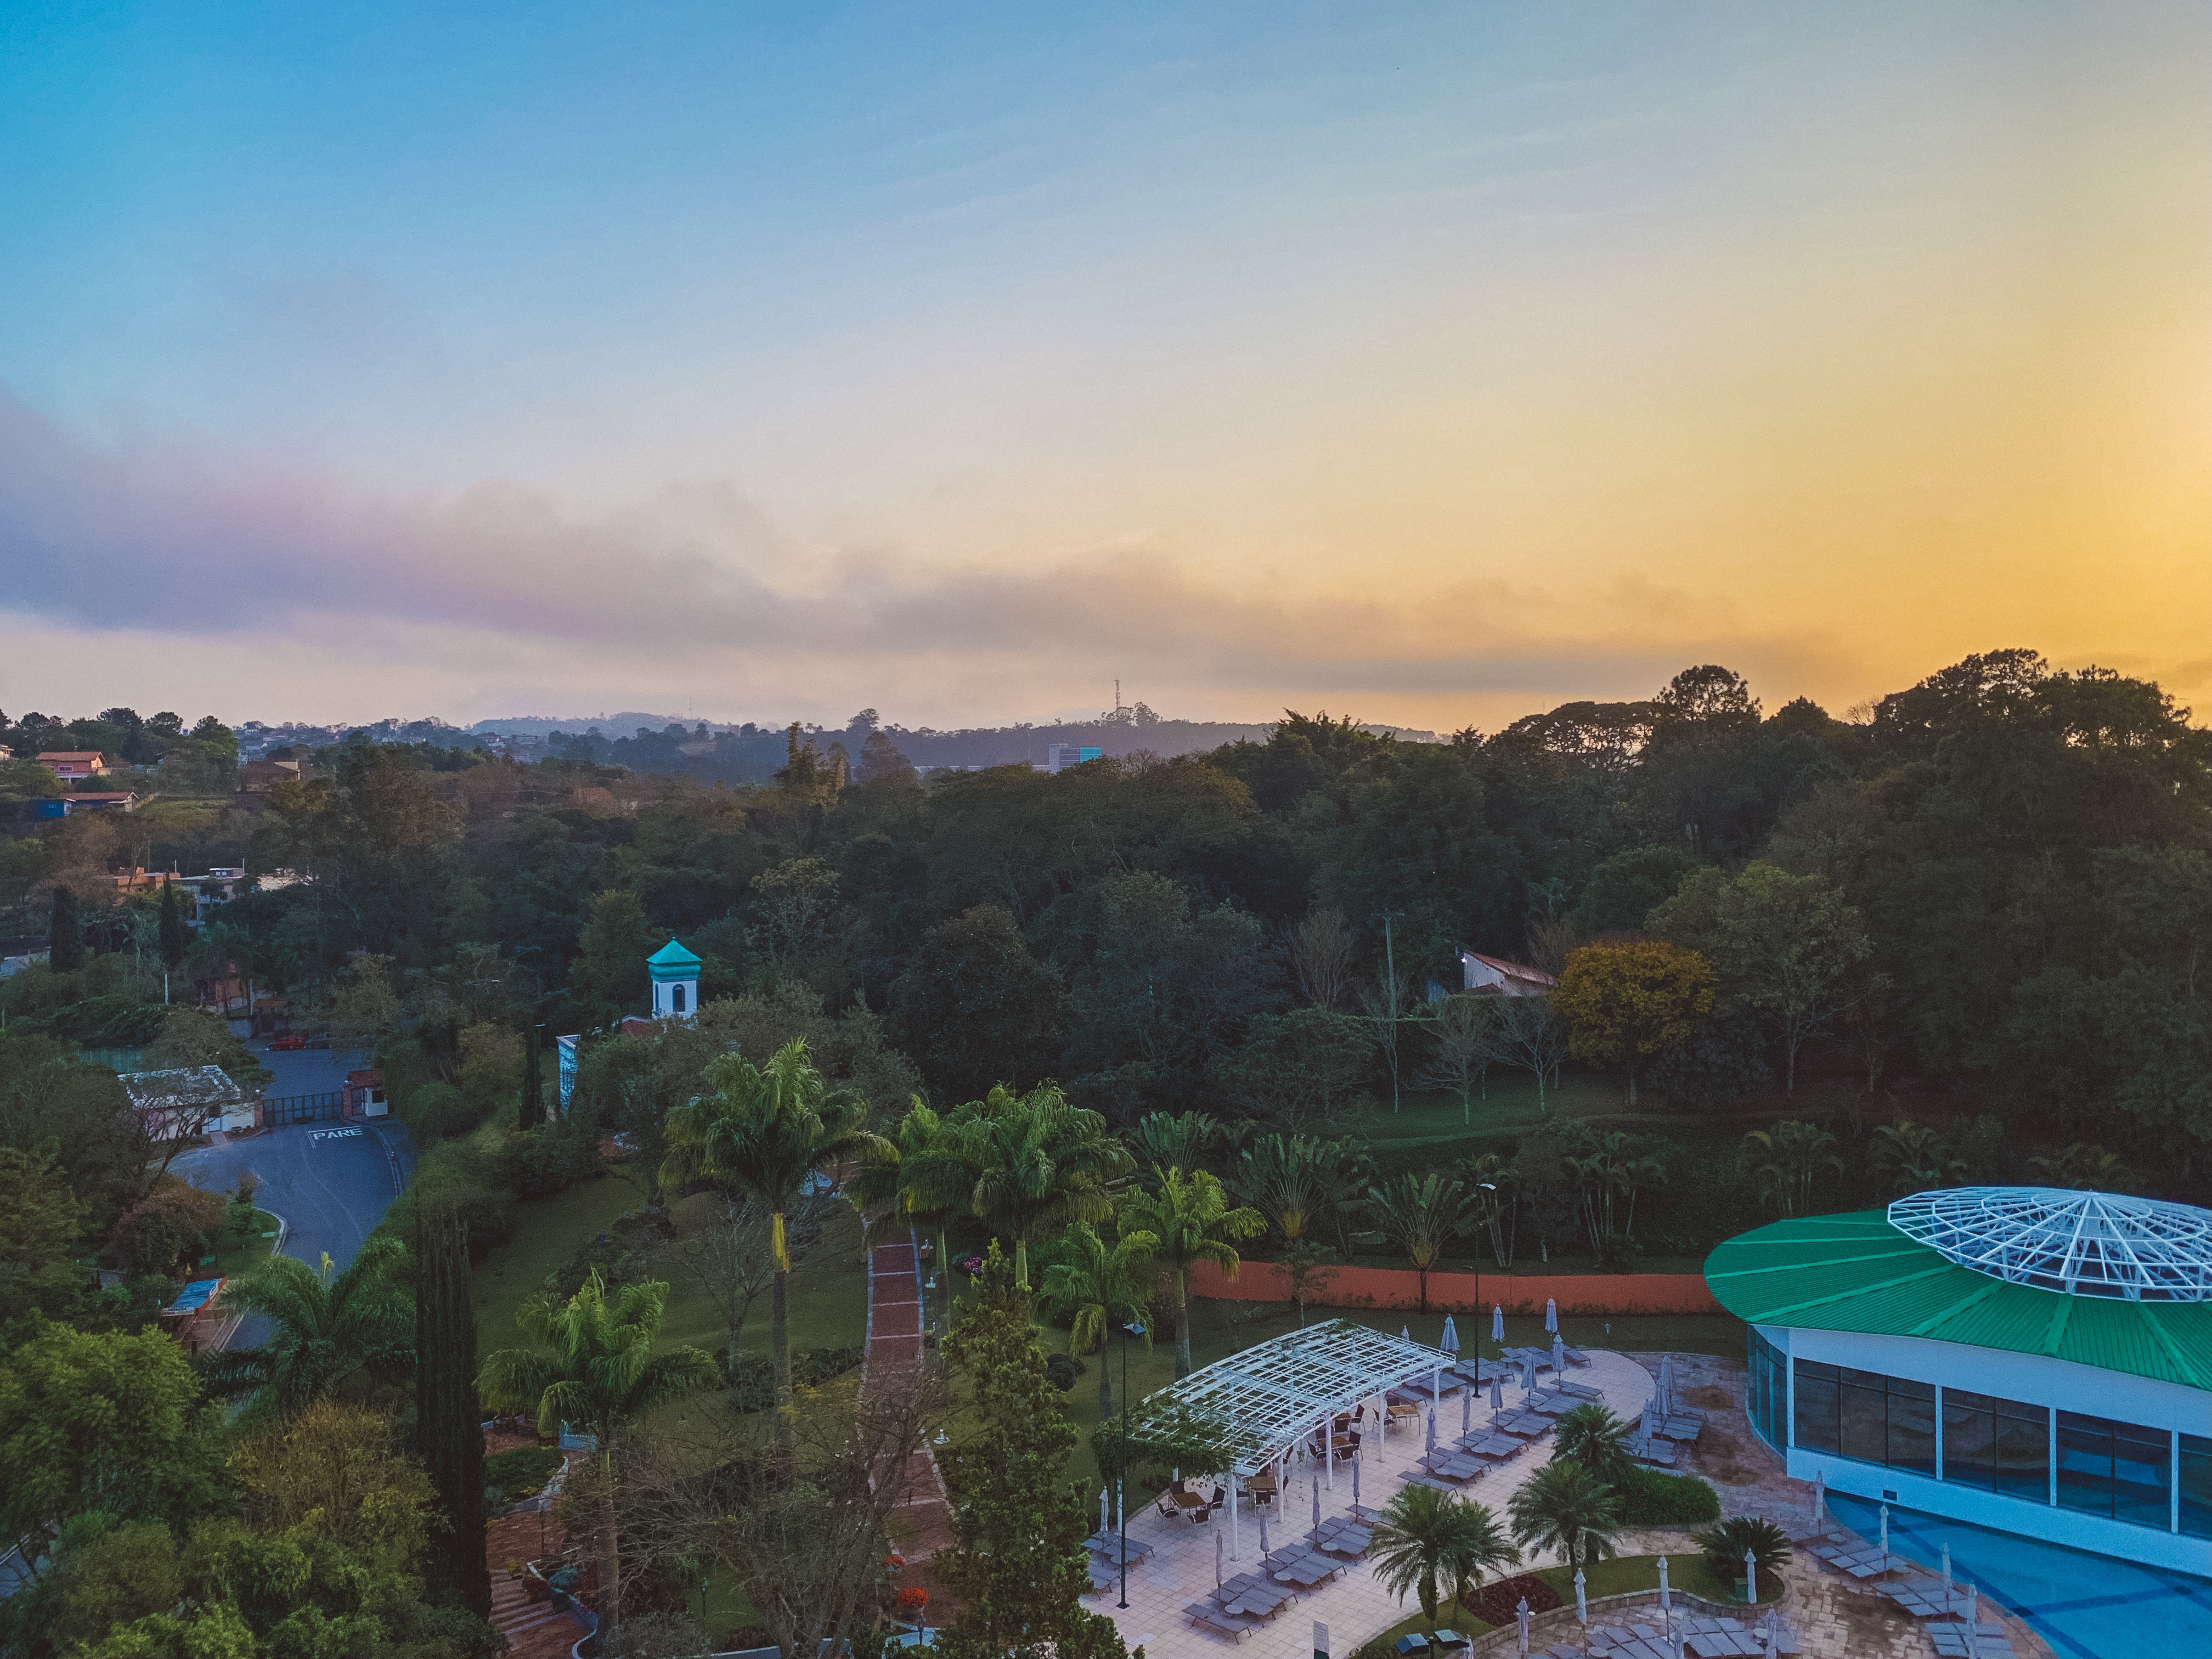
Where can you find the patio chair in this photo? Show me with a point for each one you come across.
(1409, 1644)
(1166, 1505)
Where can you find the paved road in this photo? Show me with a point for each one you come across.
(331, 1181)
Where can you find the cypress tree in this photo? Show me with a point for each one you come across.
(66, 935)
(172, 928)
(448, 1418)
(533, 1082)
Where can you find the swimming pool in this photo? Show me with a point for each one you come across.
(2086, 1606)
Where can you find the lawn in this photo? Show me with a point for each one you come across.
(1622, 1576)
(829, 1287)
(233, 1254)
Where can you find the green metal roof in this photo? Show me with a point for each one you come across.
(1856, 1273)
(671, 961)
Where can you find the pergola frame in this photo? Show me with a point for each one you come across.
(2078, 1243)
(1270, 1397)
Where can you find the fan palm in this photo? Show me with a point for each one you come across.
(594, 1371)
(1564, 1507)
(1033, 1163)
(1287, 1178)
(1420, 1214)
(1102, 1285)
(326, 1326)
(1192, 1220)
(1426, 1539)
(1596, 1439)
(1789, 1157)
(760, 1132)
(1174, 1140)
(1726, 1542)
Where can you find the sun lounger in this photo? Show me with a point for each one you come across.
(1234, 1625)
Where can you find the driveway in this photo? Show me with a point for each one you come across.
(331, 1181)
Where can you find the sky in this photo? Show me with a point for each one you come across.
(1428, 362)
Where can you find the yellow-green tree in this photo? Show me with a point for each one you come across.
(1630, 1003)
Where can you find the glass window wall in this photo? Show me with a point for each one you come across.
(2116, 1470)
(1865, 1415)
(1766, 1394)
(2196, 1485)
(1999, 1445)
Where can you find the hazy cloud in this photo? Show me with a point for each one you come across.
(169, 538)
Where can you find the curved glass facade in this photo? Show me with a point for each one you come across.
(1766, 1394)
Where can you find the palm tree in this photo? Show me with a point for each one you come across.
(2085, 1164)
(1191, 1218)
(1594, 1437)
(1285, 1177)
(1420, 1215)
(1564, 1507)
(594, 1371)
(761, 1132)
(1915, 1156)
(1427, 1539)
(1173, 1140)
(1102, 1287)
(892, 1190)
(327, 1326)
(1038, 1164)
(1794, 1152)
(1725, 1543)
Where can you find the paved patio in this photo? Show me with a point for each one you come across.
(1179, 1570)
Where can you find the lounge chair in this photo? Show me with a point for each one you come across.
(1234, 1625)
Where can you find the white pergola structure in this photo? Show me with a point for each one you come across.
(2076, 1242)
(1271, 1398)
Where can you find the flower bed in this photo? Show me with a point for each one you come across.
(1496, 1603)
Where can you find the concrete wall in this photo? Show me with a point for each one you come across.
(1517, 1293)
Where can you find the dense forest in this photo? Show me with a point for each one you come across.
(1985, 899)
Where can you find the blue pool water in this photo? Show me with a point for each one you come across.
(2086, 1606)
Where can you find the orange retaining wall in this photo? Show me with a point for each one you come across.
(1517, 1293)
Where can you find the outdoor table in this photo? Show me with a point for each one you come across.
(1260, 1489)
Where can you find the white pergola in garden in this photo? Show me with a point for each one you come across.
(1270, 1399)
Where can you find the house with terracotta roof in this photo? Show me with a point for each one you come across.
(67, 763)
(1496, 976)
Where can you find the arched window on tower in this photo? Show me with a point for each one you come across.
(677, 991)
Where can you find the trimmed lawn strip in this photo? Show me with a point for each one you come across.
(234, 1255)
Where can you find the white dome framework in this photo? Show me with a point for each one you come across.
(2056, 1238)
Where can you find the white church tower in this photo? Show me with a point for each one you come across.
(675, 973)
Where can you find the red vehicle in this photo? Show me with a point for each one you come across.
(289, 1041)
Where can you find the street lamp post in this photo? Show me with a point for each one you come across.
(1487, 1186)
(1122, 1469)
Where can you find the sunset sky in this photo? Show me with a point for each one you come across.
(1430, 362)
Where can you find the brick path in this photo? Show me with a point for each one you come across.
(922, 1525)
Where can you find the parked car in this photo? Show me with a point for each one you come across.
(287, 1041)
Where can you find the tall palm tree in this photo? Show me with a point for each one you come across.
(1034, 1163)
(327, 1326)
(594, 1370)
(1421, 1215)
(1102, 1285)
(1427, 1539)
(1191, 1217)
(760, 1132)
(1174, 1140)
(1564, 1507)
(894, 1191)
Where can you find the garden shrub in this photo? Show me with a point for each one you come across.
(1060, 1369)
(753, 1383)
(812, 1367)
(439, 1111)
(1497, 1602)
(521, 1472)
(173, 1223)
(1650, 1498)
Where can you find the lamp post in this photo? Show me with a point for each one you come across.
(1122, 1469)
(1486, 1186)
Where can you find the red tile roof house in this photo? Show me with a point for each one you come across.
(67, 763)
(1501, 978)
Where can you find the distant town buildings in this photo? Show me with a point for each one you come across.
(1059, 757)
(67, 764)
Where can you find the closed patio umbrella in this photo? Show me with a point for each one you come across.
(1819, 1500)
(1405, 1332)
(1355, 1480)
(1498, 1391)
(1884, 1538)
(1466, 1411)
(1432, 1428)
(1558, 1355)
(1550, 1314)
(1750, 1578)
(1974, 1606)
(1947, 1578)
(1105, 1522)
(1497, 1322)
(1219, 1545)
(1582, 1599)
(1521, 1619)
(1666, 1594)
(1450, 1342)
(1666, 1383)
(1264, 1551)
(1316, 1525)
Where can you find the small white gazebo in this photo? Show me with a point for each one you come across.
(1270, 1398)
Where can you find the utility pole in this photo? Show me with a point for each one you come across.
(1391, 990)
